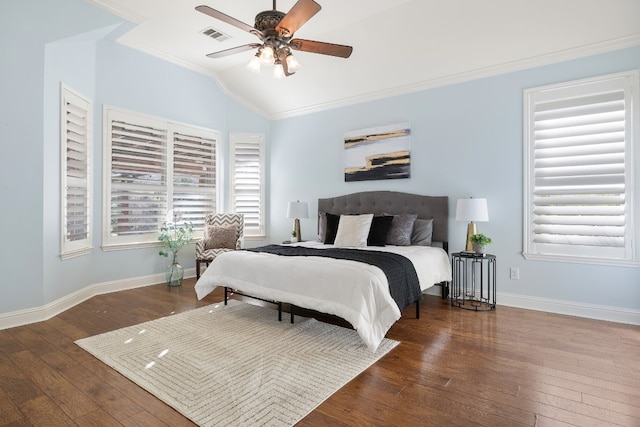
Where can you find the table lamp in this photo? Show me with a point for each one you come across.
(471, 210)
(297, 210)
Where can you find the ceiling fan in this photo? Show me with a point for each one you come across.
(275, 29)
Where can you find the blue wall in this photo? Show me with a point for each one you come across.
(455, 129)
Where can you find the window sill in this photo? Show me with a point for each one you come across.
(582, 260)
(76, 253)
(125, 246)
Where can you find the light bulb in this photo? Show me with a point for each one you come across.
(254, 64)
(266, 55)
(278, 70)
(292, 64)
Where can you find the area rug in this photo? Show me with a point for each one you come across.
(236, 365)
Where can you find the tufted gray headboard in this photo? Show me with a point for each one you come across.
(393, 203)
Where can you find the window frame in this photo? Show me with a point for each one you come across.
(248, 138)
(73, 248)
(628, 82)
(171, 128)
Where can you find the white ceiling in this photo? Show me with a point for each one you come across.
(399, 46)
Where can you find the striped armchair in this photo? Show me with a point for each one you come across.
(218, 220)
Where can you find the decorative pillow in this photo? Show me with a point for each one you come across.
(422, 232)
(380, 227)
(220, 237)
(322, 226)
(401, 229)
(353, 231)
(331, 229)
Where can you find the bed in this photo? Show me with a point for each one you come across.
(355, 291)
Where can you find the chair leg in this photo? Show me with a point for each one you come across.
(197, 269)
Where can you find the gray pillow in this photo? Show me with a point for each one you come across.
(401, 228)
(322, 226)
(422, 232)
(220, 237)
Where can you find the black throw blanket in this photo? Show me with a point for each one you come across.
(401, 275)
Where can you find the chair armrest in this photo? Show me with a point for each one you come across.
(199, 248)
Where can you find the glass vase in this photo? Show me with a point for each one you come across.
(174, 274)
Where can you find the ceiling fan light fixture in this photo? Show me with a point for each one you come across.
(254, 64)
(275, 31)
(292, 63)
(266, 54)
(278, 70)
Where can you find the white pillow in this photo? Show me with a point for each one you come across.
(353, 231)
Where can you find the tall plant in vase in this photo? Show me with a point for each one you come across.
(174, 237)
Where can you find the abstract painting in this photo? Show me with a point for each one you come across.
(378, 153)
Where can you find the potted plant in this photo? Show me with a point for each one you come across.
(294, 236)
(480, 242)
(174, 238)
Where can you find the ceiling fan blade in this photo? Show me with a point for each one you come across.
(237, 49)
(300, 13)
(228, 19)
(321, 47)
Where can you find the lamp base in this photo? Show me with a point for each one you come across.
(471, 230)
(296, 229)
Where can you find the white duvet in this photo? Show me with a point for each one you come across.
(356, 292)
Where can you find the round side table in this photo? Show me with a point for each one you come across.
(474, 281)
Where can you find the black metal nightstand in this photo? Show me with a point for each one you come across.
(474, 281)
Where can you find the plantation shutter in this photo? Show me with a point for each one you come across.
(580, 164)
(194, 175)
(138, 196)
(247, 158)
(155, 167)
(76, 183)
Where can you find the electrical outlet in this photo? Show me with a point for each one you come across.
(514, 273)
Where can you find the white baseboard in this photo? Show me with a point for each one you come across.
(571, 308)
(39, 314)
(591, 311)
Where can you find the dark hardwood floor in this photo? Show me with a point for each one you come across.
(511, 367)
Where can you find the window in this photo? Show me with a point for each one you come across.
(247, 181)
(75, 179)
(580, 189)
(153, 166)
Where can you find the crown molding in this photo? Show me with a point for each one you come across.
(119, 11)
(508, 67)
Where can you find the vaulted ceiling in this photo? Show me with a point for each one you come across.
(399, 46)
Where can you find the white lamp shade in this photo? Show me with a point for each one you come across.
(254, 64)
(298, 210)
(278, 71)
(472, 210)
(266, 55)
(292, 64)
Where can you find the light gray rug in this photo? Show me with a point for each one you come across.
(236, 365)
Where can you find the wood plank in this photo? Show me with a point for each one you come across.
(97, 418)
(66, 396)
(15, 382)
(9, 412)
(43, 411)
(110, 399)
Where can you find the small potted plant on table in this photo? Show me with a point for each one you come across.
(480, 242)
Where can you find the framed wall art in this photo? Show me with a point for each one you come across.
(378, 153)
